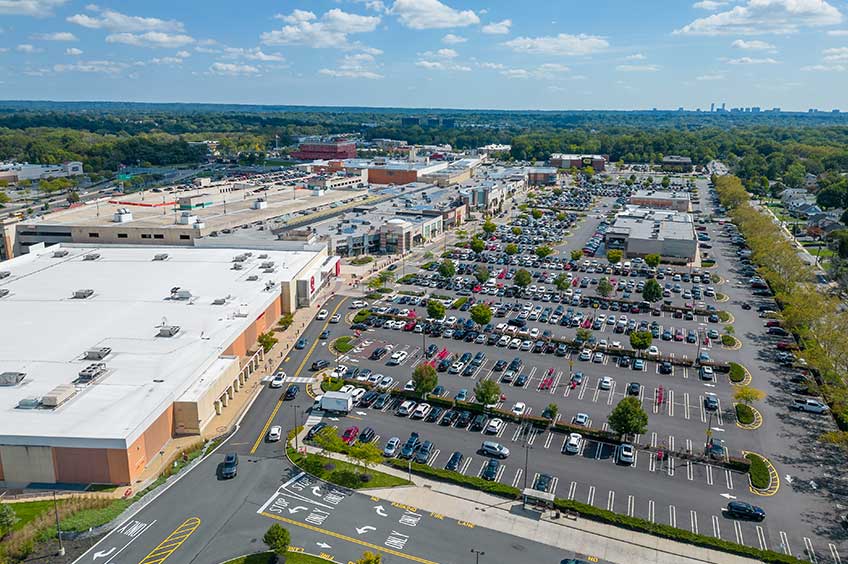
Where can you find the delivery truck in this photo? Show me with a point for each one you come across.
(337, 403)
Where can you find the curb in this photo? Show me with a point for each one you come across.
(292, 549)
(774, 478)
(758, 420)
(735, 347)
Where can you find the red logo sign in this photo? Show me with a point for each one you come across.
(311, 283)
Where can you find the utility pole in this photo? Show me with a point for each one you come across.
(478, 554)
(295, 429)
(58, 525)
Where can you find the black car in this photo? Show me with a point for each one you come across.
(478, 422)
(438, 391)
(431, 350)
(292, 391)
(449, 418)
(499, 365)
(490, 472)
(542, 482)
(359, 326)
(410, 446)
(443, 365)
(454, 461)
(520, 381)
(379, 353)
(463, 420)
(743, 510)
(229, 468)
(665, 367)
(324, 334)
(424, 452)
(633, 388)
(315, 430)
(624, 361)
(368, 398)
(367, 435)
(434, 414)
(320, 365)
(381, 401)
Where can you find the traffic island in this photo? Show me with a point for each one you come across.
(342, 345)
(762, 475)
(296, 555)
(726, 317)
(720, 298)
(731, 343)
(747, 417)
(739, 374)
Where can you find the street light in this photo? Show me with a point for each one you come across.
(58, 526)
(295, 428)
(478, 554)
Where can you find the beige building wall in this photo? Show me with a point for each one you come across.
(191, 417)
(28, 464)
(126, 235)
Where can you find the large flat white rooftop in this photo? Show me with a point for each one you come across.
(45, 332)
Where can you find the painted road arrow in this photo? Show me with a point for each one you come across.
(103, 553)
(728, 496)
(788, 478)
(365, 529)
(380, 511)
(298, 509)
(323, 544)
(316, 491)
(361, 413)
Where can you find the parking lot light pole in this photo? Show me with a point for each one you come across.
(295, 428)
(478, 554)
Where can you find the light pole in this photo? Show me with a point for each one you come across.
(295, 429)
(527, 448)
(58, 526)
(478, 554)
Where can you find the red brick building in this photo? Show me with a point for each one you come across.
(325, 151)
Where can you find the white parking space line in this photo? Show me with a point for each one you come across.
(611, 501)
(582, 391)
(703, 412)
(709, 474)
(716, 527)
(834, 554)
(728, 477)
(784, 543)
(718, 414)
(672, 515)
(737, 528)
(465, 465)
(596, 392)
(811, 552)
(686, 405)
(534, 432)
(656, 403)
(671, 466)
(480, 471)
(761, 538)
(548, 439)
(501, 470)
(555, 384)
(693, 521)
(590, 499)
(688, 445)
(503, 429)
(572, 489)
(653, 439)
(651, 511)
(554, 484)
(671, 442)
(518, 477)
(433, 458)
(686, 372)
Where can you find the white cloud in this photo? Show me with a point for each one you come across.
(543, 71)
(824, 68)
(73, 51)
(836, 54)
(255, 54)
(752, 61)
(838, 32)
(497, 28)
(58, 36)
(635, 57)
(431, 14)
(753, 45)
(704, 77)
(360, 65)
(451, 39)
(101, 67)
(757, 17)
(233, 69)
(35, 8)
(166, 60)
(709, 5)
(492, 66)
(375, 5)
(637, 68)
(553, 67)
(113, 21)
(562, 44)
(442, 66)
(516, 73)
(27, 48)
(439, 53)
(332, 30)
(183, 54)
(151, 39)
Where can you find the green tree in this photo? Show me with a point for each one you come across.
(652, 260)
(73, 197)
(583, 335)
(375, 283)
(537, 214)
(562, 282)
(328, 440)
(747, 394)
(604, 287)
(8, 518)
(628, 417)
(386, 276)
(481, 314)
(435, 309)
(425, 379)
(482, 274)
(511, 249)
(447, 268)
(477, 245)
(641, 340)
(285, 321)
(4, 198)
(516, 231)
(522, 278)
(544, 251)
(278, 539)
(489, 227)
(553, 409)
(561, 217)
(652, 292)
(267, 341)
(487, 392)
(370, 558)
(366, 455)
(614, 256)
(576, 254)
(666, 182)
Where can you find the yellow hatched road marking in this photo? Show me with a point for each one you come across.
(172, 542)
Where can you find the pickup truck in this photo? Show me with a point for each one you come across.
(809, 405)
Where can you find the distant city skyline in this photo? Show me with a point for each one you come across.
(461, 54)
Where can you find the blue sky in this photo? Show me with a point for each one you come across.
(509, 54)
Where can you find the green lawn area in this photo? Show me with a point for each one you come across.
(332, 384)
(29, 510)
(343, 344)
(344, 473)
(268, 558)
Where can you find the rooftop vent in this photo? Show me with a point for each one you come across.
(58, 395)
(178, 293)
(240, 258)
(4, 274)
(92, 371)
(238, 266)
(4, 292)
(267, 264)
(168, 330)
(160, 257)
(83, 294)
(29, 403)
(263, 256)
(60, 253)
(11, 378)
(98, 353)
(91, 256)
(252, 278)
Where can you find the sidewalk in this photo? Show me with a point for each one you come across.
(609, 543)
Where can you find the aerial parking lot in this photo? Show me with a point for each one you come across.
(560, 344)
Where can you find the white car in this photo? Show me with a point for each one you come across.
(653, 351)
(336, 318)
(626, 454)
(322, 315)
(409, 386)
(572, 443)
(358, 304)
(406, 408)
(585, 354)
(363, 376)
(494, 426)
(451, 321)
(421, 411)
(504, 341)
(534, 332)
(519, 409)
(397, 357)
(374, 378)
(515, 343)
(277, 380)
(611, 320)
(275, 433)
(598, 358)
(339, 371)
(346, 389)
(605, 383)
(581, 419)
(385, 383)
(357, 394)
(526, 345)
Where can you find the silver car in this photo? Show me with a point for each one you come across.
(391, 448)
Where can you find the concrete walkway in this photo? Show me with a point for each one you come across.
(609, 543)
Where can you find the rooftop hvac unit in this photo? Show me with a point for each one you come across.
(4, 292)
(238, 266)
(263, 256)
(267, 264)
(180, 294)
(269, 270)
(83, 294)
(92, 371)
(160, 256)
(248, 254)
(98, 353)
(11, 378)
(252, 278)
(4, 274)
(219, 301)
(91, 256)
(60, 253)
(58, 395)
(239, 258)
(29, 403)
(168, 330)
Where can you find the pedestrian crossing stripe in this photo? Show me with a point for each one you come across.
(299, 380)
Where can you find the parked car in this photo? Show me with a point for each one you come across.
(350, 435)
(490, 448)
(391, 448)
(454, 461)
(572, 443)
(626, 454)
(744, 510)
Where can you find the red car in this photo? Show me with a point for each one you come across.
(787, 346)
(546, 383)
(773, 323)
(350, 434)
